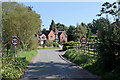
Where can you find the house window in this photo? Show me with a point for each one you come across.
(43, 37)
(51, 36)
(62, 37)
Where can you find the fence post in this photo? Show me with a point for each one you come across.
(88, 48)
(94, 49)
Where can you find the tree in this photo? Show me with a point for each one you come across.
(79, 31)
(52, 26)
(70, 33)
(20, 21)
(61, 27)
(111, 9)
(43, 29)
(109, 38)
(89, 33)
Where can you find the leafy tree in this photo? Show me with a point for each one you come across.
(109, 37)
(52, 26)
(89, 33)
(61, 27)
(19, 21)
(44, 29)
(70, 33)
(111, 9)
(79, 31)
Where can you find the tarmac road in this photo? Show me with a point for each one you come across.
(48, 64)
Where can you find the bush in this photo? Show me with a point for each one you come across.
(55, 44)
(12, 67)
(43, 45)
(50, 44)
(68, 45)
(78, 57)
(40, 44)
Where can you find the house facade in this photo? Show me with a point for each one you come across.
(62, 37)
(41, 38)
(51, 36)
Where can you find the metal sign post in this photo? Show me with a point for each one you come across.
(84, 47)
(84, 40)
(14, 42)
(15, 52)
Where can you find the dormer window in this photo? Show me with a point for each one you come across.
(43, 37)
(51, 36)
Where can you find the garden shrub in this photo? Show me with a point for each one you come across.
(55, 44)
(67, 45)
(12, 67)
(50, 44)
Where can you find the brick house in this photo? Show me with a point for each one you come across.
(50, 36)
(62, 37)
(41, 38)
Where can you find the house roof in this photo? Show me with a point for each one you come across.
(62, 32)
(59, 33)
(45, 32)
(39, 34)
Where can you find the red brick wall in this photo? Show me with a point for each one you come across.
(51, 34)
(64, 39)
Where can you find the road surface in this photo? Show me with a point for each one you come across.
(48, 64)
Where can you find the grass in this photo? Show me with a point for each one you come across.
(79, 58)
(50, 48)
(91, 52)
(92, 64)
(27, 54)
(13, 67)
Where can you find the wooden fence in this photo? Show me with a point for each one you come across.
(89, 48)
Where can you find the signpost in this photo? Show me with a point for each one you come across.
(84, 40)
(14, 42)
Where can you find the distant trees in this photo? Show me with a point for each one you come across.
(52, 26)
(61, 27)
(43, 29)
(20, 21)
(79, 31)
(58, 26)
(70, 33)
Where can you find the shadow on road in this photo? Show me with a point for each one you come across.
(56, 71)
(60, 50)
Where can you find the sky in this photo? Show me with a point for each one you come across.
(67, 13)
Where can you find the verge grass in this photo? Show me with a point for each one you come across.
(13, 67)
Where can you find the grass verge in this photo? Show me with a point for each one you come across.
(79, 58)
(12, 67)
(91, 64)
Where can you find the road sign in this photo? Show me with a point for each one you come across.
(14, 41)
(83, 40)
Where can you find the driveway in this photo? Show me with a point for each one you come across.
(48, 64)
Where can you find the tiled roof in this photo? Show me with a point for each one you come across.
(45, 32)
